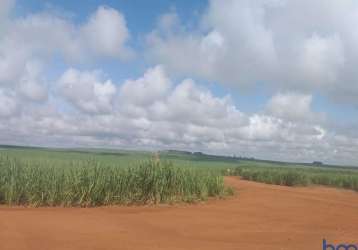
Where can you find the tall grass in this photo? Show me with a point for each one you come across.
(347, 179)
(88, 183)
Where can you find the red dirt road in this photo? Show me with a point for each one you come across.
(259, 217)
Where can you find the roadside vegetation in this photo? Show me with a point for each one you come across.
(90, 183)
(65, 177)
(299, 176)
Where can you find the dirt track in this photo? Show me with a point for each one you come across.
(259, 217)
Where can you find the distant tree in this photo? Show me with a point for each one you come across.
(173, 151)
(317, 163)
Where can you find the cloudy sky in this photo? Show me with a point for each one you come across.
(272, 79)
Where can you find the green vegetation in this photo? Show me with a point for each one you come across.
(66, 177)
(61, 157)
(299, 176)
(88, 183)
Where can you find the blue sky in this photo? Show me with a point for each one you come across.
(270, 79)
(140, 21)
(141, 15)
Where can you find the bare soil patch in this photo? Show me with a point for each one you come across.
(260, 216)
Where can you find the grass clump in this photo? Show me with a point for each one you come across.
(88, 183)
(299, 176)
(285, 177)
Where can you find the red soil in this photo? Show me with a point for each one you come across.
(259, 217)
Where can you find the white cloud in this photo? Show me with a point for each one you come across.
(44, 35)
(144, 91)
(168, 21)
(234, 48)
(106, 33)
(28, 45)
(152, 112)
(291, 106)
(284, 45)
(5, 8)
(86, 91)
(31, 84)
(242, 43)
(8, 104)
(322, 59)
(190, 103)
(262, 128)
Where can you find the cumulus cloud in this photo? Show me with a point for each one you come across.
(154, 112)
(5, 8)
(44, 35)
(86, 91)
(146, 90)
(240, 43)
(31, 85)
(106, 33)
(29, 43)
(8, 104)
(287, 45)
(233, 47)
(291, 106)
(321, 60)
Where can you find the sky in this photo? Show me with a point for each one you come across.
(271, 79)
